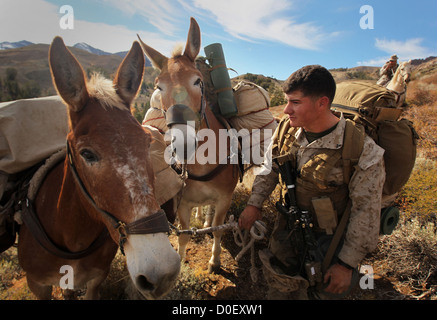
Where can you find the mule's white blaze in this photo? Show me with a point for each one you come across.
(137, 184)
(153, 264)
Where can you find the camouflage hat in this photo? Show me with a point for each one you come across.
(277, 279)
(394, 58)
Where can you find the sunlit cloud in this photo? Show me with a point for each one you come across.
(24, 24)
(269, 20)
(408, 49)
(162, 14)
(405, 50)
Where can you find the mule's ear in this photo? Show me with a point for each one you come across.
(67, 75)
(129, 75)
(158, 60)
(192, 47)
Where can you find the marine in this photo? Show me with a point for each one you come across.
(311, 139)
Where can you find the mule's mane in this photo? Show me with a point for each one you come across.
(103, 90)
(177, 50)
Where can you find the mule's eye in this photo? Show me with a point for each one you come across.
(89, 156)
(198, 82)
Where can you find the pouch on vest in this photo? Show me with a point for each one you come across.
(326, 215)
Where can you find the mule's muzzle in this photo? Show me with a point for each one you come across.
(183, 123)
(180, 114)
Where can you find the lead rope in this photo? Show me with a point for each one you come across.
(257, 232)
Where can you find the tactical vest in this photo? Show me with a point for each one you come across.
(312, 185)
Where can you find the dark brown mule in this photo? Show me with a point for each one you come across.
(180, 84)
(109, 150)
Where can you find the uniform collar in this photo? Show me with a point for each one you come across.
(333, 140)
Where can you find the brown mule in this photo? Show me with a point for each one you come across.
(109, 184)
(181, 88)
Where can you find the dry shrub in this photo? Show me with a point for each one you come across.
(417, 198)
(422, 111)
(409, 256)
(423, 91)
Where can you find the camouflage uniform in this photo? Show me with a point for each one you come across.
(365, 190)
(386, 73)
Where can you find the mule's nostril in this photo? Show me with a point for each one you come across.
(144, 284)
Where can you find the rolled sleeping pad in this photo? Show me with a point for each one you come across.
(389, 220)
(221, 80)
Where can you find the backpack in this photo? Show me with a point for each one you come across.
(367, 100)
(374, 107)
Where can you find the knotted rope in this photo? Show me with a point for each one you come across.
(257, 232)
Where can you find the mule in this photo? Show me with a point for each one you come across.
(398, 84)
(180, 85)
(104, 186)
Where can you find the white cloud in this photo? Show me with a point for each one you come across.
(405, 50)
(38, 21)
(377, 62)
(160, 13)
(262, 20)
(408, 49)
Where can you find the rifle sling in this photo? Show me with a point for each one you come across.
(337, 237)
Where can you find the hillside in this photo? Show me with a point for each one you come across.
(32, 67)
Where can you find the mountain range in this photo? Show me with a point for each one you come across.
(29, 63)
(81, 45)
(31, 67)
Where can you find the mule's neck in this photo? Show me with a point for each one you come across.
(76, 221)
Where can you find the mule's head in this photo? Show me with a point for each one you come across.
(110, 151)
(180, 84)
(405, 70)
(400, 79)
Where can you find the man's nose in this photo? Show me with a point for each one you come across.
(288, 108)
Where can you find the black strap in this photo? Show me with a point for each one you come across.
(206, 177)
(34, 225)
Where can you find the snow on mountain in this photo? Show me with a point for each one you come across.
(90, 49)
(13, 45)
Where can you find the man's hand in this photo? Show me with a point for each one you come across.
(339, 278)
(248, 217)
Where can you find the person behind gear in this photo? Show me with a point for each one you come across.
(311, 138)
(388, 70)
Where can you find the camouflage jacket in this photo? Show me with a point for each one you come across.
(365, 190)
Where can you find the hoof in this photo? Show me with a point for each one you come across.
(213, 268)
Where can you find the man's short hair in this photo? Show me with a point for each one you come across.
(314, 81)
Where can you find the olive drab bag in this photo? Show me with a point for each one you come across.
(374, 107)
(367, 100)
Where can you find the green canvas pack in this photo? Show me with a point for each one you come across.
(374, 107)
(368, 100)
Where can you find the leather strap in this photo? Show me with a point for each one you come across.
(34, 225)
(154, 223)
(206, 177)
(337, 237)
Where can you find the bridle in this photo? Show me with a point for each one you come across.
(181, 114)
(155, 223)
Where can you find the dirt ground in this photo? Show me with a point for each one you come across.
(234, 282)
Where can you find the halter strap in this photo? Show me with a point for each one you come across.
(154, 223)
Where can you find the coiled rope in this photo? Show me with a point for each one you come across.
(257, 232)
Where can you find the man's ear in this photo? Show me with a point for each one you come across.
(324, 102)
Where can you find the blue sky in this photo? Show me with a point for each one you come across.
(269, 37)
